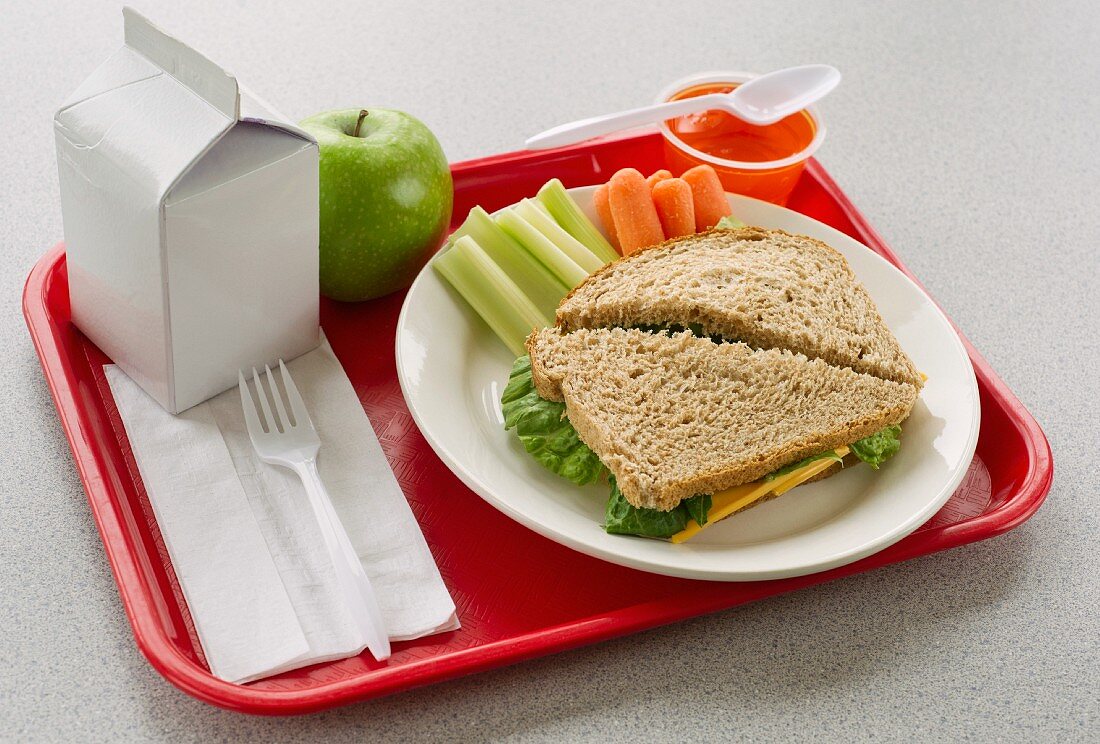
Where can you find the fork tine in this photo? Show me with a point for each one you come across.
(283, 418)
(272, 425)
(297, 405)
(251, 418)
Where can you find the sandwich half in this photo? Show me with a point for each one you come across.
(691, 427)
(767, 288)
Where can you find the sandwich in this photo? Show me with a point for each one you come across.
(710, 373)
(766, 288)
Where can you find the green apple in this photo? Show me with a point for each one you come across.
(386, 198)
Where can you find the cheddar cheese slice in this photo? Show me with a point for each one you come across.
(725, 503)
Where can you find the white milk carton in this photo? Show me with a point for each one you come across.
(191, 220)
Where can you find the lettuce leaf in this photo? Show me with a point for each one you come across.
(622, 518)
(873, 450)
(697, 507)
(544, 430)
(879, 447)
(786, 469)
(729, 222)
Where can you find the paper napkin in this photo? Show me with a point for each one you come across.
(243, 541)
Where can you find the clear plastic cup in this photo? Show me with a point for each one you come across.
(764, 162)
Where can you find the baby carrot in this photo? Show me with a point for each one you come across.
(636, 220)
(708, 196)
(673, 200)
(657, 177)
(603, 210)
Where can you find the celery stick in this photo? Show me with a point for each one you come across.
(541, 248)
(563, 209)
(536, 281)
(729, 222)
(494, 296)
(566, 243)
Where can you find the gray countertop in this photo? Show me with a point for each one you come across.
(966, 133)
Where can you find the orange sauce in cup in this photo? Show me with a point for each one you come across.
(739, 147)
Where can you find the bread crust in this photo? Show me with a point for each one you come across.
(547, 385)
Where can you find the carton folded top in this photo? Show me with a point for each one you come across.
(156, 106)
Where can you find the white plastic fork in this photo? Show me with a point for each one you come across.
(292, 442)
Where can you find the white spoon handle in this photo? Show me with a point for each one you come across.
(567, 134)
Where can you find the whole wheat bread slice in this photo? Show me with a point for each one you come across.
(767, 288)
(673, 415)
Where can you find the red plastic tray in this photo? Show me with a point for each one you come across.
(580, 599)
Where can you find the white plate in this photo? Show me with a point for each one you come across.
(452, 371)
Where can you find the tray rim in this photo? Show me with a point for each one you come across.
(155, 645)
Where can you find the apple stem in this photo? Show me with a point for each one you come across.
(359, 122)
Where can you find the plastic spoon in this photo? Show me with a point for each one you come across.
(762, 100)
